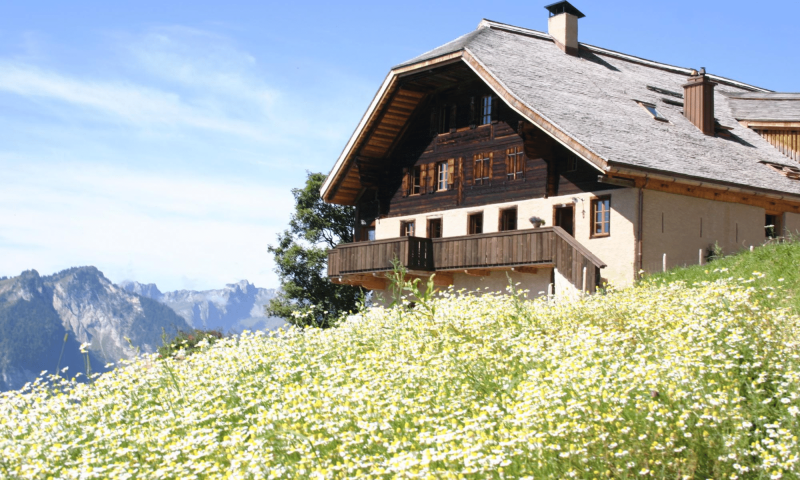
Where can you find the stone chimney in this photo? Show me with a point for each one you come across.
(698, 101)
(563, 26)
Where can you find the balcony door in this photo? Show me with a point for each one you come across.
(564, 217)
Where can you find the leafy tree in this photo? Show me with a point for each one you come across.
(307, 297)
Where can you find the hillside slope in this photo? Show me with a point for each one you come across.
(662, 380)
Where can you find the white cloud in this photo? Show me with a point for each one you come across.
(149, 227)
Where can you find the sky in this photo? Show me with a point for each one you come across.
(159, 141)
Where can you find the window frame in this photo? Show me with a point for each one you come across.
(508, 222)
(432, 221)
(486, 110)
(485, 160)
(442, 183)
(515, 163)
(416, 180)
(594, 212)
(475, 219)
(652, 109)
(404, 228)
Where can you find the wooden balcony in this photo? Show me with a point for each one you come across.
(414, 253)
(522, 250)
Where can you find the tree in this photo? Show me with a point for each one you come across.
(307, 297)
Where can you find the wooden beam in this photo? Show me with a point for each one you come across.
(531, 270)
(477, 272)
(720, 194)
(443, 279)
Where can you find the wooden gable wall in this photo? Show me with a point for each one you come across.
(547, 164)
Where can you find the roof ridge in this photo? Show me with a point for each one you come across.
(486, 23)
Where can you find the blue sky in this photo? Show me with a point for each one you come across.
(159, 141)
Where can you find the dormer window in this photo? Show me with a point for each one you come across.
(786, 171)
(651, 108)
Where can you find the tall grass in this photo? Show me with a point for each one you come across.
(695, 378)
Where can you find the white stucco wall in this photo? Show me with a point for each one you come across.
(681, 226)
(617, 250)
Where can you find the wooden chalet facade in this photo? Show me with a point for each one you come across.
(514, 152)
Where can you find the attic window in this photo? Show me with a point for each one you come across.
(652, 109)
(786, 171)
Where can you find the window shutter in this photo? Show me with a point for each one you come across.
(451, 172)
(475, 171)
(491, 165)
(509, 162)
(405, 182)
(495, 108)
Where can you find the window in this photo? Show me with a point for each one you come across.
(482, 171)
(486, 110)
(475, 224)
(515, 163)
(508, 219)
(772, 226)
(416, 180)
(444, 119)
(435, 228)
(441, 176)
(786, 171)
(652, 109)
(601, 217)
(407, 229)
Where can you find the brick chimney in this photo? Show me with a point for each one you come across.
(698, 101)
(563, 26)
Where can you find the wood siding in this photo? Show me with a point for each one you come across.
(787, 141)
(543, 247)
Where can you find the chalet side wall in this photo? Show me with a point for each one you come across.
(617, 250)
(681, 226)
(791, 224)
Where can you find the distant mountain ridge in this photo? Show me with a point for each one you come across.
(232, 309)
(36, 313)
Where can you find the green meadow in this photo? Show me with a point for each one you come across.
(689, 374)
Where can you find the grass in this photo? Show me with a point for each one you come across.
(686, 375)
(778, 262)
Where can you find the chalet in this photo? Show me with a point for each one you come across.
(510, 151)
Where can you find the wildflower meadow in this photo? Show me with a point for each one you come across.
(661, 380)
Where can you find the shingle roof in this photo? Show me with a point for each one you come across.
(593, 98)
(766, 107)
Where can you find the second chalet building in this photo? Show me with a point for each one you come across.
(511, 151)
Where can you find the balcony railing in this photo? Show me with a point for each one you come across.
(543, 247)
(414, 253)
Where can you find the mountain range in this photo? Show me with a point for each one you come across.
(233, 309)
(45, 319)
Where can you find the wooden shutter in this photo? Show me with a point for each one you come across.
(495, 108)
(475, 171)
(451, 172)
(509, 162)
(430, 184)
(460, 180)
(491, 165)
(406, 182)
